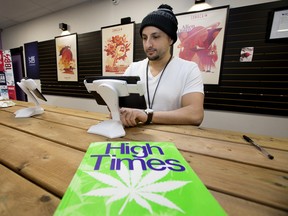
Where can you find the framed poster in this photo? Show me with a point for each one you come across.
(66, 57)
(278, 25)
(201, 40)
(117, 48)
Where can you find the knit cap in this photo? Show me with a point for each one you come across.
(164, 19)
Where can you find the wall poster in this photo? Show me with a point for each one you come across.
(278, 25)
(32, 60)
(66, 57)
(9, 74)
(201, 39)
(1, 61)
(117, 48)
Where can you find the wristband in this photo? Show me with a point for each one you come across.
(149, 113)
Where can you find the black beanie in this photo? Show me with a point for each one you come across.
(164, 19)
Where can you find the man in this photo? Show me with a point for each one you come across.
(174, 87)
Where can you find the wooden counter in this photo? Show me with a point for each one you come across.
(40, 155)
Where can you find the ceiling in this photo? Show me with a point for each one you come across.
(13, 12)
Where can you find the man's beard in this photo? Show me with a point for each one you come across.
(153, 57)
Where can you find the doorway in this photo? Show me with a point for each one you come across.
(19, 72)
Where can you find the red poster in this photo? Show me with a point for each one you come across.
(1, 61)
(12, 92)
(8, 69)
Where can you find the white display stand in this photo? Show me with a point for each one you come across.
(29, 86)
(110, 90)
(28, 112)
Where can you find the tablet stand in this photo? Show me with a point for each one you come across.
(110, 90)
(27, 86)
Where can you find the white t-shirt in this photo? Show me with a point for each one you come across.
(179, 78)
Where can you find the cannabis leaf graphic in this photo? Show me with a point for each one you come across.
(133, 186)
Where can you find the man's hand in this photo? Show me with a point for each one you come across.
(131, 117)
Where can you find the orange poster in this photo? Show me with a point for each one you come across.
(117, 49)
(66, 55)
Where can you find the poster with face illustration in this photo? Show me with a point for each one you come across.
(66, 57)
(201, 39)
(117, 49)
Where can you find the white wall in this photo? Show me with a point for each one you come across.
(93, 15)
